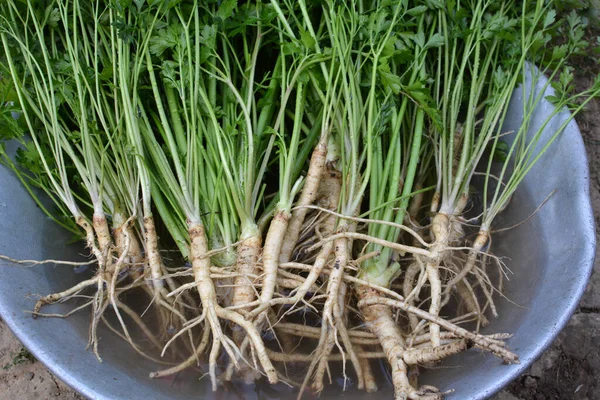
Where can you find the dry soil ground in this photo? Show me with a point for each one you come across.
(570, 369)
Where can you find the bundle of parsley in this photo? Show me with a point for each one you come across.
(309, 163)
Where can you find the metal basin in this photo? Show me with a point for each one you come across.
(551, 257)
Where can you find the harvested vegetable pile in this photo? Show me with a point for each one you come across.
(263, 174)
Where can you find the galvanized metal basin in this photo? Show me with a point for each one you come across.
(551, 257)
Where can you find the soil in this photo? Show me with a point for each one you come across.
(22, 377)
(569, 369)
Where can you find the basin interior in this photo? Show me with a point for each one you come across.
(550, 257)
